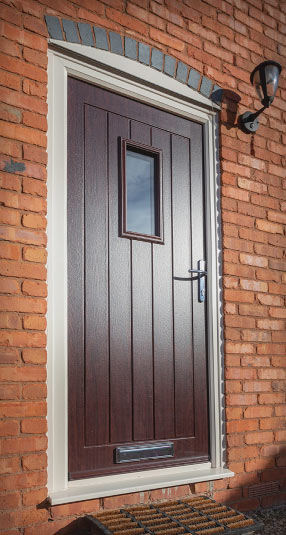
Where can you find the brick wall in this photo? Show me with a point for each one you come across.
(224, 40)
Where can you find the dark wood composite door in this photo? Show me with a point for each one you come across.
(136, 330)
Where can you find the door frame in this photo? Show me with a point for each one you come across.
(112, 72)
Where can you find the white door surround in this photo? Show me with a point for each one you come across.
(112, 72)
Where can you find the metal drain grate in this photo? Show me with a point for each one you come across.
(198, 516)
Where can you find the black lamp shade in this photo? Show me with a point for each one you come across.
(265, 80)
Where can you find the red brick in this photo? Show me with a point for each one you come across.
(10, 113)
(146, 16)
(275, 349)
(267, 299)
(266, 399)
(258, 412)
(238, 219)
(34, 497)
(35, 120)
(27, 270)
(22, 202)
(10, 81)
(32, 254)
(22, 445)
(9, 216)
(242, 399)
(37, 461)
(273, 325)
(253, 260)
(23, 373)
(252, 310)
(274, 475)
(9, 428)
(8, 181)
(11, 148)
(247, 452)
(255, 286)
(255, 360)
(261, 437)
(272, 423)
(8, 355)
(272, 373)
(24, 517)
(239, 426)
(255, 465)
(255, 336)
(34, 426)
(254, 211)
(233, 413)
(24, 304)
(10, 251)
(237, 245)
(10, 391)
(79, 508)
(10, 321)
(36, 154)
(35, 391)
(128, 22)
(49, 528)
(239, 295)
(20, 100)
(35, 323)
(237, 347)
(9, 465)
(38, 289)
(21, 409)
(235, 193)
(34, 356)
(20, 339)
(240, 373)
(267, 250)
(19, 66)
(266, 226)
(34, 221)
(22, 133)
(239, 270)
(10, 501)
(280, 410)
(183, 36)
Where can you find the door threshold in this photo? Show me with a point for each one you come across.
(102, 487)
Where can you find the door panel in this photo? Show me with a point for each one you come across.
(142, 357)
(137, 333)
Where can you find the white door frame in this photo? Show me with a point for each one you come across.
(113, 72)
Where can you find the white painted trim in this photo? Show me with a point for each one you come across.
(59, 67)
(154, 479)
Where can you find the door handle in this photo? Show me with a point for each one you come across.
(201, 276)
(200, 272)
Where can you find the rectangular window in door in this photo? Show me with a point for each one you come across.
(141, 201)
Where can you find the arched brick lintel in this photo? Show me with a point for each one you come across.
(85, 34)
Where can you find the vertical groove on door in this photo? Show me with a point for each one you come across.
(120, 298)
(96, 277)
(199, 309)
(163, 308)
(183, 358)
(142, 322)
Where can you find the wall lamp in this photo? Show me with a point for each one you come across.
(265, 79)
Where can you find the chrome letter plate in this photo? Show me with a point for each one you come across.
(140, 452)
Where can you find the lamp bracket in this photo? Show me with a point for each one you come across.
(249, 122)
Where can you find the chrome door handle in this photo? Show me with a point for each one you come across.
(201, 276)
(200, 272)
